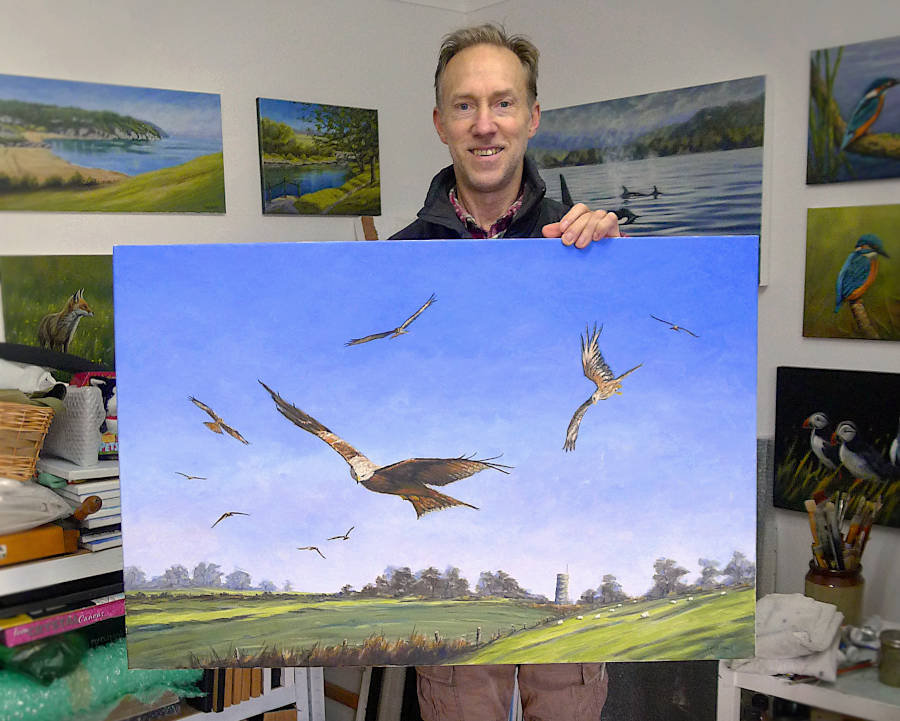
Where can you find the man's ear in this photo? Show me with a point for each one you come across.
(535, 119)
(438, 125)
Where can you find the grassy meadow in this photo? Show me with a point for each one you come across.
(197, 186)
(831, 235)
(355, 197)
(180, 629)
(34, 286)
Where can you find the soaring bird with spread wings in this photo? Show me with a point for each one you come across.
(228, 514)
(217, 425)
(596, 370)
(406, 479)
(399, 330)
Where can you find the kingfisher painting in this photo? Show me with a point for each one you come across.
(856, 276)
(867, 110)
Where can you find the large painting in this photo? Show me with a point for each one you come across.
(318, 159)
(60, 304)
(837, 431)
(854, 113)
(852, 287)
(404, 453)
(67, 145)
(678, 162)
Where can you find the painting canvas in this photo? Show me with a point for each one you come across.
(60, 303)
(852, 287)
(386, 453)
(318, 159)
(810, 406)
(678, 162)
(67, 145)
(854, 112)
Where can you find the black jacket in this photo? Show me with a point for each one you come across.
(438, 220)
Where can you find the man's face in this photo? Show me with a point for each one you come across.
(485, 119)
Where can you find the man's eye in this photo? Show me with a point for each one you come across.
(462, 106)
(505, 103)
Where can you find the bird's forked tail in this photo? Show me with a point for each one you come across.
(433, 501)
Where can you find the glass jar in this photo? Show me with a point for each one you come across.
(844, 589)
(889, 661)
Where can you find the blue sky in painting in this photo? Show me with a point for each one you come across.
(610, 123)
(179, 113)
(298, 115)
(492, 367)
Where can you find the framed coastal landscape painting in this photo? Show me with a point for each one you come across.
(461, 465)
(79, 146)
(318, 159)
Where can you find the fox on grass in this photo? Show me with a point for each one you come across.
(55, 331)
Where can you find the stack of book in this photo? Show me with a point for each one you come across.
(224, 687)
(102, 529)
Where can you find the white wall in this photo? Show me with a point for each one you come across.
(380, 53)
(593, 52)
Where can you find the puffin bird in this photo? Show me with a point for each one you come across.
(596, 370)
(862, 459)
(217, 425)
(408, 479)
(894, 452)
(859, 270)
(399, 330)
(867, 110)
(820, 442)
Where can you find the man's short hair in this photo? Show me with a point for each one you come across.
(489, 34)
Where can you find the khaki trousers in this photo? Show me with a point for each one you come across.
(550, 692)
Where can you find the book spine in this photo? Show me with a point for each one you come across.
(53, 625)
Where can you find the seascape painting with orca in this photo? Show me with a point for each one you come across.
(854, 112)
(838, 431)
(676, 162)
(404, 453)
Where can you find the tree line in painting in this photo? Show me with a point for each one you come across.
(431, 583)
(727, 127)
(17, 117)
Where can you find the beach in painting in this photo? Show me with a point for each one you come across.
(68, 145)
(637, 543)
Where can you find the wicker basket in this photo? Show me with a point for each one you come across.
(22, 431)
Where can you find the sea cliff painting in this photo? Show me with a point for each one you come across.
(461, 465)
(78, 146)
(854, 112)
(677, 162)
(318, 159)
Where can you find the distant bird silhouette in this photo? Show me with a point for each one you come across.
(399, 330)
(226, 515)
(596, 370)
(191, 478)
(867, 110)
(672, 326)
(217, 425)
(406, 479)
(862, 459)
(820, 442)
(311, 548)
(345, 537)
(859, 270)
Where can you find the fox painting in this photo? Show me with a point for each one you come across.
(55, 331)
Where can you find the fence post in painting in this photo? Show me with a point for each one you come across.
(437, 637)
(478, 636)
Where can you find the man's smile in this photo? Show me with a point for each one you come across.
(485, 152)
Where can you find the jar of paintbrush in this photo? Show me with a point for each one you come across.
(843, 588)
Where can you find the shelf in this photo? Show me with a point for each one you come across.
(71, 472)
(858, 693)
(59, 569)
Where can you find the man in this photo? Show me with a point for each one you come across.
(486, 110)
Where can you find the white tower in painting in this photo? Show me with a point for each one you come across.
(562, 589)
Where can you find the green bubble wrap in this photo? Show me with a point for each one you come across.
(92, 690)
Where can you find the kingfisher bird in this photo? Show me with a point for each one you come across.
(859, 270)
(820, 440)
(867, 110)
(861, 459)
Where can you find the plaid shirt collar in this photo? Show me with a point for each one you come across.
(498, 227)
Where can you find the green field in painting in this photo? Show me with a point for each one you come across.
(197, 186)
(168, 631)
(34, 286)
(831, 235)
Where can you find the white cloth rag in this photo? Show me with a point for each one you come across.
(790, 625)
(822, 665)
(24, 377)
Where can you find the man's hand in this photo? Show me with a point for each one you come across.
(580, 226)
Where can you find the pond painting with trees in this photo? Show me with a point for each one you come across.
(687, 161)
(358, 472)
(318, 159)
(854, 112)
(77, 146)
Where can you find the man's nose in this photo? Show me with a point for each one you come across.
(485, 122)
